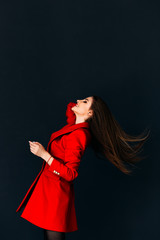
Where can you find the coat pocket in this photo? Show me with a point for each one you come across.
(51, 175)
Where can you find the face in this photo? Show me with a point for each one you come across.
(83, 106)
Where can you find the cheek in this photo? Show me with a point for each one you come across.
(84, 109)
(80, 110)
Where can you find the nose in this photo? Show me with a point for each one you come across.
(77, 101)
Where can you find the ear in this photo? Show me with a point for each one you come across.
(90, 112)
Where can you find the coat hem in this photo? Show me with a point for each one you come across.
(44, 227)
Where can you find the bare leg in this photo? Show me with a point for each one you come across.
(53, 235)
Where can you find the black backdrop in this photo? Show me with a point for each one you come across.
(54, 52)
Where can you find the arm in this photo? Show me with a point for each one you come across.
(75, 147)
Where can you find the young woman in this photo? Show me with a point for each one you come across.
(49, 202)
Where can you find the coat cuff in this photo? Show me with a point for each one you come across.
(55, 166)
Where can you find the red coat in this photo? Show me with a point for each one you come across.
(50, 201)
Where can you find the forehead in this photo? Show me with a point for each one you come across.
(89, 99)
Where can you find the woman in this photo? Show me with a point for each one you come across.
(49, 202)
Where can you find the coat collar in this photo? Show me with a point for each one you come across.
(66, 129)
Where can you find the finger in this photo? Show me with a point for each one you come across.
(32, 143)
(33, 152)
(32, 148)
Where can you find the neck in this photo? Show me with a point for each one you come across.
(79, 119)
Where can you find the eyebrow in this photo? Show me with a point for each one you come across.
(87, 99)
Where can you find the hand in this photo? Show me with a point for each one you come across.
(37, 148)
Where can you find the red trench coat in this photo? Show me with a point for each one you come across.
(50, 201)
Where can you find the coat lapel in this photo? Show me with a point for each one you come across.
(66, 129)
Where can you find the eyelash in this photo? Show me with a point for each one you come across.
(85, 101)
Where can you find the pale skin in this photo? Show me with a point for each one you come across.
(82, 111)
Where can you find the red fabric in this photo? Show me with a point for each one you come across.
(71, 117)
(50, 201)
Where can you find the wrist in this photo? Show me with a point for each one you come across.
(50, 160)
(46, 155)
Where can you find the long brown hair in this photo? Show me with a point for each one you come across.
(110, 141)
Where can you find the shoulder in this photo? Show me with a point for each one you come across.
(79, 137)
(80, 133)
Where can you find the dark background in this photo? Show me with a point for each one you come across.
(54, 52)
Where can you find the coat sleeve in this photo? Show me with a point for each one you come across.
(74, 149)
(71, 117)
